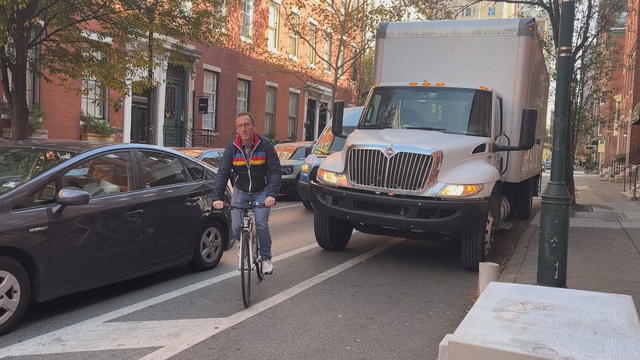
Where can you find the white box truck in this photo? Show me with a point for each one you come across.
(450, 139)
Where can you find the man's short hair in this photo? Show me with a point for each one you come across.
(247, 114)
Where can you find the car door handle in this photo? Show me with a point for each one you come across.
(134, 214)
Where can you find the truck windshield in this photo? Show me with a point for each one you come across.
(450, 110)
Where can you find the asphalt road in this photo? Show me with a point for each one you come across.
(381, 298)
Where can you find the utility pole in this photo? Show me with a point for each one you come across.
(554, 218)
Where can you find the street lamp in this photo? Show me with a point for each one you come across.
(554, 217)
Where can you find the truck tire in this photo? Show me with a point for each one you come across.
(524, 199)
(331, 233)
(474, 243)
(307, 204)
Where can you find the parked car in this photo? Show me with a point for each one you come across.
(75, 216)
(546, 165)
(327, 144)
(210, 156)
(292, 157)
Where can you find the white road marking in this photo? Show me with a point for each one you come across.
(173, 336)
(286, 207)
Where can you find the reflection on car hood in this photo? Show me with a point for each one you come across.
(291, 162)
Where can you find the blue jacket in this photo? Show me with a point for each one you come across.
(259, 171)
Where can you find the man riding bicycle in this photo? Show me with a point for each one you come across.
(257, 176)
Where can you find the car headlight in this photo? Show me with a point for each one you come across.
(287, 170)
(332, 178)
(459, 190)
(306, 168)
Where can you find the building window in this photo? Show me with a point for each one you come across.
(327, 52)
(270, 111)
(293, 36)
(313, 43)
(491, 11)
(243, 96)
(468, 11)
(246, 29)
(273, 25)
(210, 89)
(354, 67)
(293, 114)
(341, 50)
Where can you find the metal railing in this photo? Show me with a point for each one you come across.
(178, 136)
(630, 178)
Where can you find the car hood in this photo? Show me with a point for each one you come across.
(291, 162)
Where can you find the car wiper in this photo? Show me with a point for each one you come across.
(424, 128)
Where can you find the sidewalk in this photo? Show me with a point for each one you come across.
(604, 244)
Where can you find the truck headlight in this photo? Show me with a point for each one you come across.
(306, 168)
(331, 178)
(460, 190)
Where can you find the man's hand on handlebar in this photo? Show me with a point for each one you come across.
(269, 201)
(218, 204)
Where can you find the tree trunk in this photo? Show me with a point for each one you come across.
(18, 101)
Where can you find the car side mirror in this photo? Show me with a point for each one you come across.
(70, 196)
(527, 132)
(336, 122)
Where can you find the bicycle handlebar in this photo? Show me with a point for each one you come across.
(255, 205)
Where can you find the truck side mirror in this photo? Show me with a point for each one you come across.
(528, 128)
(336, 122)
(527, 132)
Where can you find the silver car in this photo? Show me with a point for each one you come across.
(292, 157)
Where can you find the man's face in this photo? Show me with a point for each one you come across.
(245, 128)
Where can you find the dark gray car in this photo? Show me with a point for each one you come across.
(75, 216)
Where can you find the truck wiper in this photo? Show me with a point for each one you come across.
(371, 127)
(424, 128)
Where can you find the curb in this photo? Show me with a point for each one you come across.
(512, 269)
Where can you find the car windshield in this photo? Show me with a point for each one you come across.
(20, 165)
(290, 152)
(449, 110)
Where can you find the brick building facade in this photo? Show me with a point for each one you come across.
(630, 143)
(288, 104)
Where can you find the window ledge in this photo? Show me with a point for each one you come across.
(273, 51)
(246, 39)
(293, 57)
(312, 66)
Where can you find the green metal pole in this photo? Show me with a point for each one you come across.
(554, 217)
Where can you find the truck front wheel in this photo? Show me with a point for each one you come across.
(475, 243)
(331, 233)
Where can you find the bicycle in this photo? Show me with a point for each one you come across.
(249, 258)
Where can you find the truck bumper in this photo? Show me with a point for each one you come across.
(396, 215)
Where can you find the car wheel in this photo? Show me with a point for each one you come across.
(475, 243)
(209, 246)
(331, 233)
(15, 293)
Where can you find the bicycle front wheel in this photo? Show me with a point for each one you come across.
(245, 268)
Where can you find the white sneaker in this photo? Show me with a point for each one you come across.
(267, 267)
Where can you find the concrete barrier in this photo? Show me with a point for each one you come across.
(527, 322)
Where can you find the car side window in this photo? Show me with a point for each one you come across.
(44, 195)
(159, 169)
(299, 154)
(101, 176)
(196, 171)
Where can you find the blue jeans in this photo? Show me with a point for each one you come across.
(240, 198)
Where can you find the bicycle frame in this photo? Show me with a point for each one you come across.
(248, 223)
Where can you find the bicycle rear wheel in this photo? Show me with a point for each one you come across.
(245, 268)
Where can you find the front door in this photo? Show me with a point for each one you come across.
(104, 237)
(140, 121)
(174, 106)
(310, 123)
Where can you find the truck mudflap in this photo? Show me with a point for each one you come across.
(405, 214)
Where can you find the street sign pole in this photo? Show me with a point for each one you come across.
(554, 217)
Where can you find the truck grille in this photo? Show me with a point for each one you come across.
(402, 171)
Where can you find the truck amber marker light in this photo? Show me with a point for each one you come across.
(426, 83)
(440, 84)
